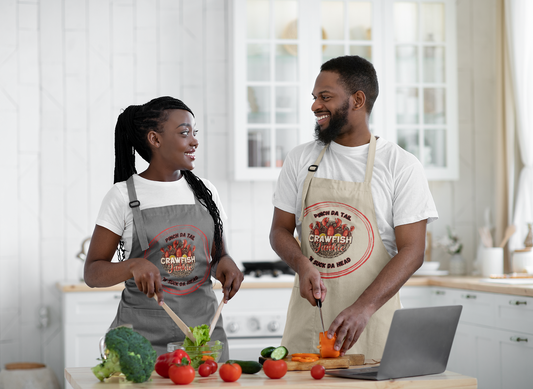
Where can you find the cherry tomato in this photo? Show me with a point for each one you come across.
(211, 363)
(230, 372)
(204, 370)
(317, 372)
(182, 374)
(275, 369)
(162, 365)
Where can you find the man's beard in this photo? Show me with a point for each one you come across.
(337, 121)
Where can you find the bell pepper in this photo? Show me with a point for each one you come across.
(326, 346)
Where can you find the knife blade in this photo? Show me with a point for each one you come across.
(319, 305)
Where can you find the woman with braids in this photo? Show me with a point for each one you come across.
(167, 225)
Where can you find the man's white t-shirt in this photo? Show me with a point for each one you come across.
(116, 215)
(400, 189)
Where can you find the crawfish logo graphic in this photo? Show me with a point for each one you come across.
(330, 239)
(178, 258)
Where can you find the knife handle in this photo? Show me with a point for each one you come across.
(318, 303)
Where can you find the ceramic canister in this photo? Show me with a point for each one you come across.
(521, 259)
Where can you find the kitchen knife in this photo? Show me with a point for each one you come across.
(319, 305)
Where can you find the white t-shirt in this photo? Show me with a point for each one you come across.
(116, 215)
(400, 189)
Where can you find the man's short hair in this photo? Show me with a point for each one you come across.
(355, 73)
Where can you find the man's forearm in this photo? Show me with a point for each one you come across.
(288, 249)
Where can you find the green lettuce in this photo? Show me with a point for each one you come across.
(201, 334)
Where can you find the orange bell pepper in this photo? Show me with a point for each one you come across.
(326, 346)
(206, 357)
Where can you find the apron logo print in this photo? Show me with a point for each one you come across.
(178, 258)
(330, 239)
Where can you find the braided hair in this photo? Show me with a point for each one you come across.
(132, 128)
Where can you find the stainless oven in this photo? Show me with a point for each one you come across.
(255, 317)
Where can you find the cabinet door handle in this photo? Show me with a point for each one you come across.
(440, 292)
(469, 296)
(518, 339)
(516, 302)
(117, 296)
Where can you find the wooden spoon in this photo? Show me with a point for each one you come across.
(509, 231)
(186, 330)
(215, 318)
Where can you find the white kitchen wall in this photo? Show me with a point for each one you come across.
(67, 68)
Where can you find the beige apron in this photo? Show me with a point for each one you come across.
(340, 237)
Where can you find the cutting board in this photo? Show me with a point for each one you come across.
(329, 363)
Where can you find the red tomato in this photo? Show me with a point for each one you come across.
(212, 364)
(317, 372)
(162, 365)
(275, 369)
(181, 374)
(204, 370)
(230, 372)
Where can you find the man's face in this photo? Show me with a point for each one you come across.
(330, 107)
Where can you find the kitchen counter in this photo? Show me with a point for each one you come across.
(83, 378)
(464, 282)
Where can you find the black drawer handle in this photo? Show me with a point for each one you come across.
(469, 296)
(440, 292)
(516, 302)
(518, 339)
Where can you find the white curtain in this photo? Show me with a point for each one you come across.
(519, 35)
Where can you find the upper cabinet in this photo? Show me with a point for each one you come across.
(279, 45)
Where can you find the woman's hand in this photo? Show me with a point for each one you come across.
(229, 276)
(147, 277)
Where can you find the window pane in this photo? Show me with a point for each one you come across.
(286, 19)
(286, 104)
(258, 147)
(432, 19)
(434, 148)
(257, 19)
(362, 51)
(258, 61)
(286, 140)
(332, 51)
(286, 63)
(406, 22)
(258, 104)
(434, 106)
(332, 14)
(406, 64)
(406, 105)
(360, 21)
(409, 140)
(434, 64)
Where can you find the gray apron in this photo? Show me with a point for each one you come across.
(178, 240)
(340, 237)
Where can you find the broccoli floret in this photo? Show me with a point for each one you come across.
(129, 353)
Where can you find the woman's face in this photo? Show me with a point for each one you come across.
(178, 140)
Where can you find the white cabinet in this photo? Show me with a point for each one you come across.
(86, 318)
(494, 339)
(279, 46)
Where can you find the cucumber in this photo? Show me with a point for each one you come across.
(265, 353)
(248, 367)
(279, 353)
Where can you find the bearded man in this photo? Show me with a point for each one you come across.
(360, 205)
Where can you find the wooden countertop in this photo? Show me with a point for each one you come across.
(465, 282)
(83, 378)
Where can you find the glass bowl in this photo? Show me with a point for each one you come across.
(209, 350)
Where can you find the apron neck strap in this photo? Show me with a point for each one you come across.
(310, 173)
(137, 216)
(370, 159)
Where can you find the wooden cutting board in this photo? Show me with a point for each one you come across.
(329, 363)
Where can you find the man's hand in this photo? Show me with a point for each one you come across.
(311, 285)
(229, 276)
(348, 326)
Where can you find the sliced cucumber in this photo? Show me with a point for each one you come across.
(279, 353)
(265, 353)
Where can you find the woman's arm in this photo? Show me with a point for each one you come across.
(99, 271)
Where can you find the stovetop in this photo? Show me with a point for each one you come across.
(267, 269)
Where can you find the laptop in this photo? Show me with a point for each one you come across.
(419, 343)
